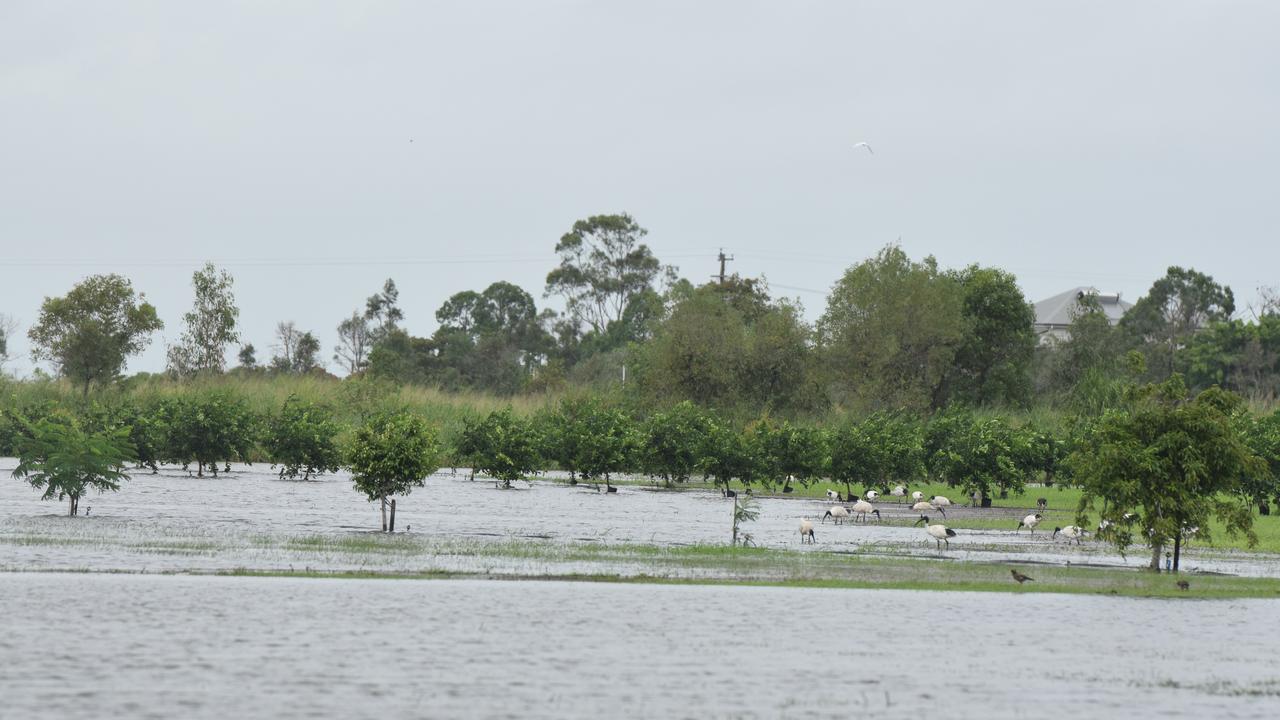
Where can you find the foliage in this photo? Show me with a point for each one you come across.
(355, 339)
(1171, 460)
(745, 509)
(880, 449)
(1176, 307)
(209, 428)
(672, 442)
(56, 455)
(302, 439)
(729, 454)
(603, 268)
(391, 454)
(210, 325)
(1262, 435)
(891, 331)
(383, 310)
(992, 362)
(502, 445)
(89, 333)
(985, 454)
(296, 351)
(1240, 356)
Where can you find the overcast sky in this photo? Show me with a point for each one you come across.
(1073, 143)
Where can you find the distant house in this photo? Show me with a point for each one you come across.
(1054, 315)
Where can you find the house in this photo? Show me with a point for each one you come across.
(1054, 315)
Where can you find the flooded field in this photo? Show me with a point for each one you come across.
(250, 519)
(116, 646)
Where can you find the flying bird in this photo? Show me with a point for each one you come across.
(865, 145)
(1020, 577)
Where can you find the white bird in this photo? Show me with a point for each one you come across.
(871, 495)
(1070, 532)
(832, 495)
(837, 514)
(917, 496)
(898, 491)
(939, 533)
(1030, 522)
(940, 501)
(861, 508)
(923, 507)
(806, 531)
(865, 145)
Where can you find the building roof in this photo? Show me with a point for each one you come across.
(1059, 310)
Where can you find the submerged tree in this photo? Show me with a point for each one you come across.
(391, 454)
(58, 456)
(1165, 463)
(89, 333)
(302, 439)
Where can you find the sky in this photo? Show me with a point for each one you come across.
(314, 149)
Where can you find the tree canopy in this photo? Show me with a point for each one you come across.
(90, 333)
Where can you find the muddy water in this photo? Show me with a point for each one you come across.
(235, 511)
(111, 646)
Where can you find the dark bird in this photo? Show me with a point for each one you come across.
(1184, 585)
(1020, 577)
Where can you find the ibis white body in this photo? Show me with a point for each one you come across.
(939, 532)
(806, 532)
(1030, 522)
(862, 508)
(838, 514)
(1070, 532)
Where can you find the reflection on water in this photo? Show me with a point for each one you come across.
(112, 646)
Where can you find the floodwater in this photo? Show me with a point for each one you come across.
(144, 646)
(239, 520)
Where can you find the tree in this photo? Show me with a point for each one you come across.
(391, 454)
(210, 325)
(1086, 368)
(727, 348)
(1263, 437)
(302, 439)
(1179, 305)
(491, 340)
(986, 454)
(502, 446)
(879, 449)
(89, 333)
(8, 326)
(728, 454)
(295, 351)
(891, 331)
(672, 440)
(383, 309)
(992, 362)
(209, 428)
(355, 339)
(1172, 461)
(248, 357)
(64, 460)
(603, 267)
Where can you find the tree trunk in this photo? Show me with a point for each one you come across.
(71, 506)
(392, 526)
(199, 468)
(1155, 556)
(384, 513)
(1177, 552)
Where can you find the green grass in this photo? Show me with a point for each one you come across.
(763, 567)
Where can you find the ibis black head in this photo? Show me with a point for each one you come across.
(1057, 530)
(923, 519)
(876, 513)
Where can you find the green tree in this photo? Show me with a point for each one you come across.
(491, 340)
(56, 455)
(874, 452)
(891, 331)
(1171, 460)
(89, 333)
(1179, 305)
(729, 454)
(672, 442)
(603, 268)
(993, 361)
(391, 454)
(1262, 434)
(987, 454)
(248, 357)
(503, 446)
(383, 310)
(302, 439)
(209, 428)
(210, 325)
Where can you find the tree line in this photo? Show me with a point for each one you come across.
(897, 334)
(1170, 458)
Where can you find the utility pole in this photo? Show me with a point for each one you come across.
(722, 258)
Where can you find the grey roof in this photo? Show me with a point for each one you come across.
(1060, 309)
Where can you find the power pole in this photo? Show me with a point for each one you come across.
(722, 258)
